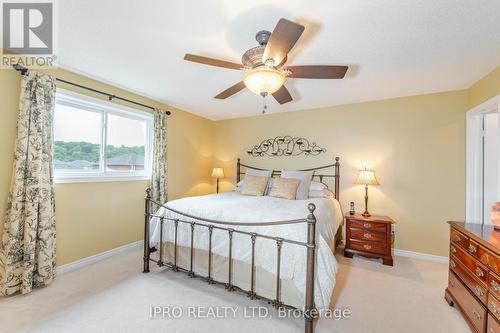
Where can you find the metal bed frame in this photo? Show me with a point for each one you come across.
(309, 312)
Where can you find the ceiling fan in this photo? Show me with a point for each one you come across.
(264, 65)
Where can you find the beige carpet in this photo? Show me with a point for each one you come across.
(113, 296)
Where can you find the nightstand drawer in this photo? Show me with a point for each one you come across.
(364, 246)
(367, 235)
(372, 226)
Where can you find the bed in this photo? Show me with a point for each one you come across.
(277, 250)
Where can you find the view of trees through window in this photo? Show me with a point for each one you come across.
(78, 138)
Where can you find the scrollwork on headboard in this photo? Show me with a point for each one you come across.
(286, 146)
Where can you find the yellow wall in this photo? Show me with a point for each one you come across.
(484, 89)
(415, 144)
(95, 217)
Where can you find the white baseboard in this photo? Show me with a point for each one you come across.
(421, 256)
(98, 257)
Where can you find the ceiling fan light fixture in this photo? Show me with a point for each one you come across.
(264, 80)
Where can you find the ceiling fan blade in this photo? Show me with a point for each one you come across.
(212, 61)
(317, 72)
(283, 38)
(231, 90)
(282, 95)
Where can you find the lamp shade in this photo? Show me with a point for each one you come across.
(218, 173)
(367, 177)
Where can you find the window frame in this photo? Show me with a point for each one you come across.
(105, 108)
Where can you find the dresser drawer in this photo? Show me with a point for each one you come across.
(365, 246)
(458, 238)
(471, 307)
(494, 306)
(364, 234)
(470, 280)
(493, 325)
(372, 226)
(489, 259)
(494, 284)
(479, 270)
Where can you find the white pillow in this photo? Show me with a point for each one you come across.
(320, 193)
(305, 181)
(259, 173)
(317, 186)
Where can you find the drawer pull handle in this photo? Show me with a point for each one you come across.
(495, 285)
(367, 235)
(367, 225)
(492, 330)
(478, 291)
(477, 315)
(472, 248)
(367, 247)
(458, 238)
(453, 250)
(479, 272)
(452, 264)
(494, 308)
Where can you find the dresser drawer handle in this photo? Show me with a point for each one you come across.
(494, 308)
(367, 247)
(367, 225)
(472, 248)
(479, 272)
(478, 291)
(477, 315)
(452, 263)
(492, 330)
(367, 235)
(495, 285)
(458, 238)
(453, 250)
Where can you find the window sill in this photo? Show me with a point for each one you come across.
(98, 179)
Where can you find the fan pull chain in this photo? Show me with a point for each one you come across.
(264, 103)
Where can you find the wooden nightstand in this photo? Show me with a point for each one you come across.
(369, 237)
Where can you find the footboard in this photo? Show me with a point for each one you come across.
(197, 222)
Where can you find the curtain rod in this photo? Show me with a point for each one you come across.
(24, 70)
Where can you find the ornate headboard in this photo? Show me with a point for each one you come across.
(320, 173)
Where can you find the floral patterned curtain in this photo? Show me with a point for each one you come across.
(159, 176)
(28, 251)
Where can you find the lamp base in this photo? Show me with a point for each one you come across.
(366, 214)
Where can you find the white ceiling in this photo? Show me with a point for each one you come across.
(393, 47)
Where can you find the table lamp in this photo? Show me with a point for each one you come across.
(367, 177)
(218, 173)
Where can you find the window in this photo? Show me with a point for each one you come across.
(100, 141)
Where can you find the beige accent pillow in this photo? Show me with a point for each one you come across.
(285, 188)
(254, 185)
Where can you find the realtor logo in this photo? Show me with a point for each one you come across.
(28, 33)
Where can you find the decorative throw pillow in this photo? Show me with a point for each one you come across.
(285, 188)
(254, 185)
(305, 178)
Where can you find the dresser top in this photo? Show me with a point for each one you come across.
(484, 234)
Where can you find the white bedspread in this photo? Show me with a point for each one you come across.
(234, 207)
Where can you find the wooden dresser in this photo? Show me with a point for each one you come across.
(474, 275)
(369, 237)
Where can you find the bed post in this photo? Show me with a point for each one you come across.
(238, 168)
(337, 177)
(309, 310)
(147, 212)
